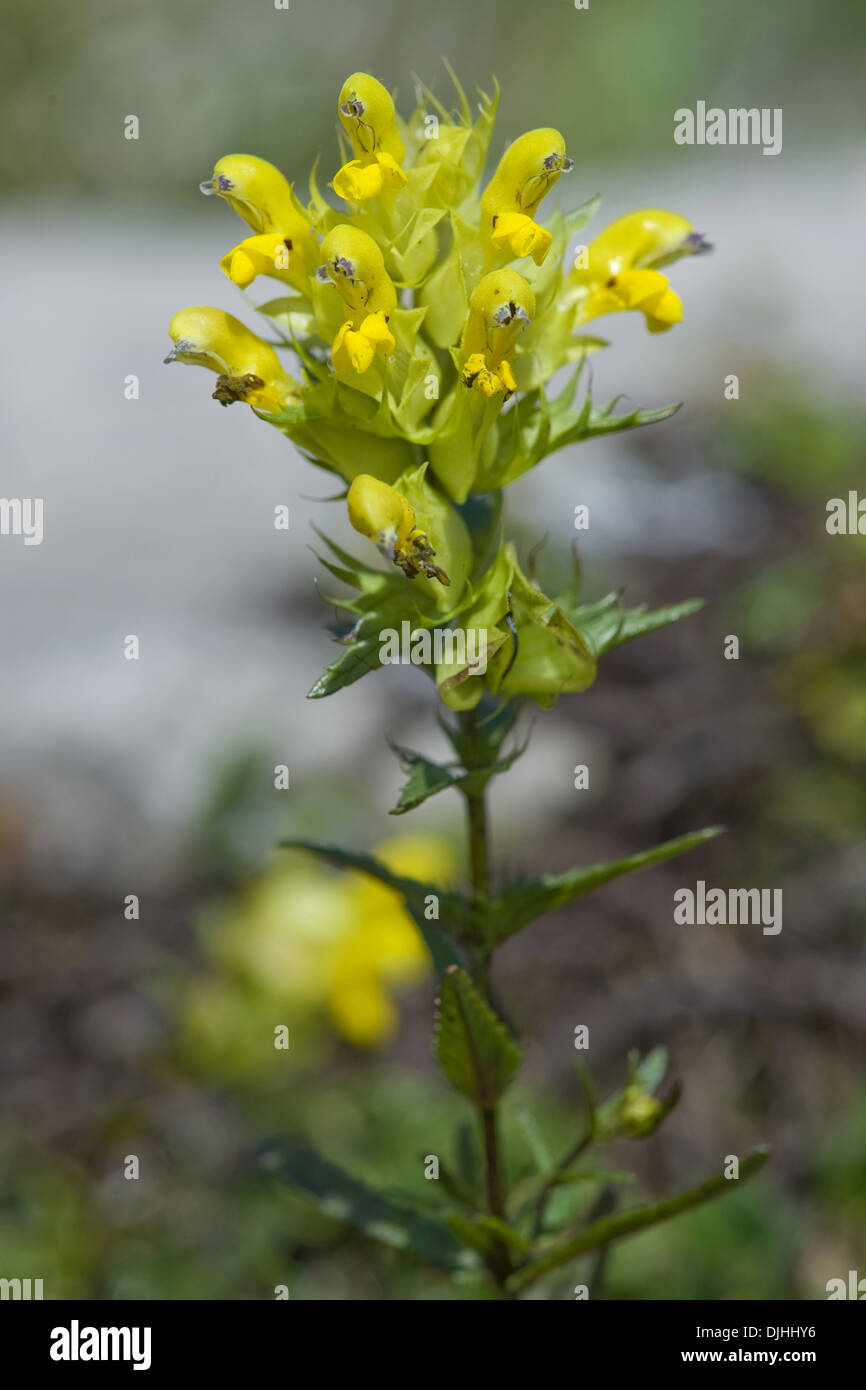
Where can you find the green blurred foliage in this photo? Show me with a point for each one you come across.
(211, 76)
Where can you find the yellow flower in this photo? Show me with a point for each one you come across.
(386, 517)
(500, 307)
(367, 115)
(257, 191)
(284, 243)
(301, 943)
(248, 368)
(354, 350)
(354, 265)
(385, 947)
(527, 171)
(621, 270)
(358, 181)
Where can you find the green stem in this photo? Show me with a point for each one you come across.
(544, 1195)
(474, 760)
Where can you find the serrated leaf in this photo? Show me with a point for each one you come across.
(386, 1219)
(474, 1048)
(454, 908)
(525, 902)
(631, 1222)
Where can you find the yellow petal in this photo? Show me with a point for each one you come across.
(392, 174)
(267, 254)
(356, 182)
(645, 290)
(361, 1009)
(351, 351)
(375, 329)
(518, 233)
(507, 377)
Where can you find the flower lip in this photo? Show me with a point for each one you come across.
(558, 163)
(353, 107)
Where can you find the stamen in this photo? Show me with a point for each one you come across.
(697, 243)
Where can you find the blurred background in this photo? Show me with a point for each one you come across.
(154, 777)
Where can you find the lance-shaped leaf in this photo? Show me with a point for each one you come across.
(607, 624)
(631, 1222)
(383, 1218)
(475, 1050)
(524, 902)
(453, 907)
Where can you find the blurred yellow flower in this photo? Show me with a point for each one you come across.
(302, 946)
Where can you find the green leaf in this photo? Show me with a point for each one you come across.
(607, 624)
(631, 1222)
(474, 1048)
(454, 907)
(426, 778)
(525, 902)
(541, 1155)
(357, 659)
(386, 1219)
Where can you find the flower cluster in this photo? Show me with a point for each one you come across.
(426, 317)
